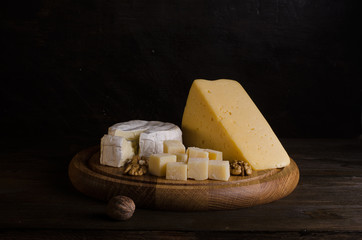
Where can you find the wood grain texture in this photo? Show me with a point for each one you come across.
(175, 235)
(103, 182)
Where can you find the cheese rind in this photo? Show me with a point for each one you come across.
(130, 130)
(147, 136)
(157, 163)
(220, 115)
(198, 168)
(151, 140)
(219, 170)
(176, 171)
(115, 151)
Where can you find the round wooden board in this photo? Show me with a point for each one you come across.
(103, 182)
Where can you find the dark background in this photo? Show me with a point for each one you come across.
(73, 68)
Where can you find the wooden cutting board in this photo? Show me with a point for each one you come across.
(103, 182)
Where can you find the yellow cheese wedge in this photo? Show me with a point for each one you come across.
(220, 115)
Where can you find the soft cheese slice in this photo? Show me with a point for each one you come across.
(220, 115)
(147, 136)
(115, 151)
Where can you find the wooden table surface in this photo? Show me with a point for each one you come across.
(38, 201)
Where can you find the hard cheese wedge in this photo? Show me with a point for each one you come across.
(220, 115)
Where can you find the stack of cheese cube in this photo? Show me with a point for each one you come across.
(177, 163)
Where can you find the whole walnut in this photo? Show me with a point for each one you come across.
(121, 208)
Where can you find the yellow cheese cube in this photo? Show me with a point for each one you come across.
(176, 171)
(194, 152)
(157, 163)
(198, 168)
(221, 115)
(173, 146)
(219, 170)
(181, 157)
(214, 155)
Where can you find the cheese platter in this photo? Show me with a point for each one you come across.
(224, 156)
(103, 182)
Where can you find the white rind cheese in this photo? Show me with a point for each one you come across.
(130, 130)
(151, 140)
(115, 151)
(148, 136)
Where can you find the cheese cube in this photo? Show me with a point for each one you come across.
(181, 157)
(173, 146)
(220, 115)
(194, 152)
(176, 171)
(219, 170)
(115, 151)
(198, 168)
(214, 155)
(157, 163)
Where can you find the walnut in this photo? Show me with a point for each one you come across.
(135, 166)
(240, 168)
(248, 169)
(120, 208)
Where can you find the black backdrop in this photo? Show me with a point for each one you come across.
(76, 67)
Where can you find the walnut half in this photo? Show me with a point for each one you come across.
(240, 168)
(135, 166)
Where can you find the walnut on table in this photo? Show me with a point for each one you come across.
(240, 168)
(136, 166)
(120, 208)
